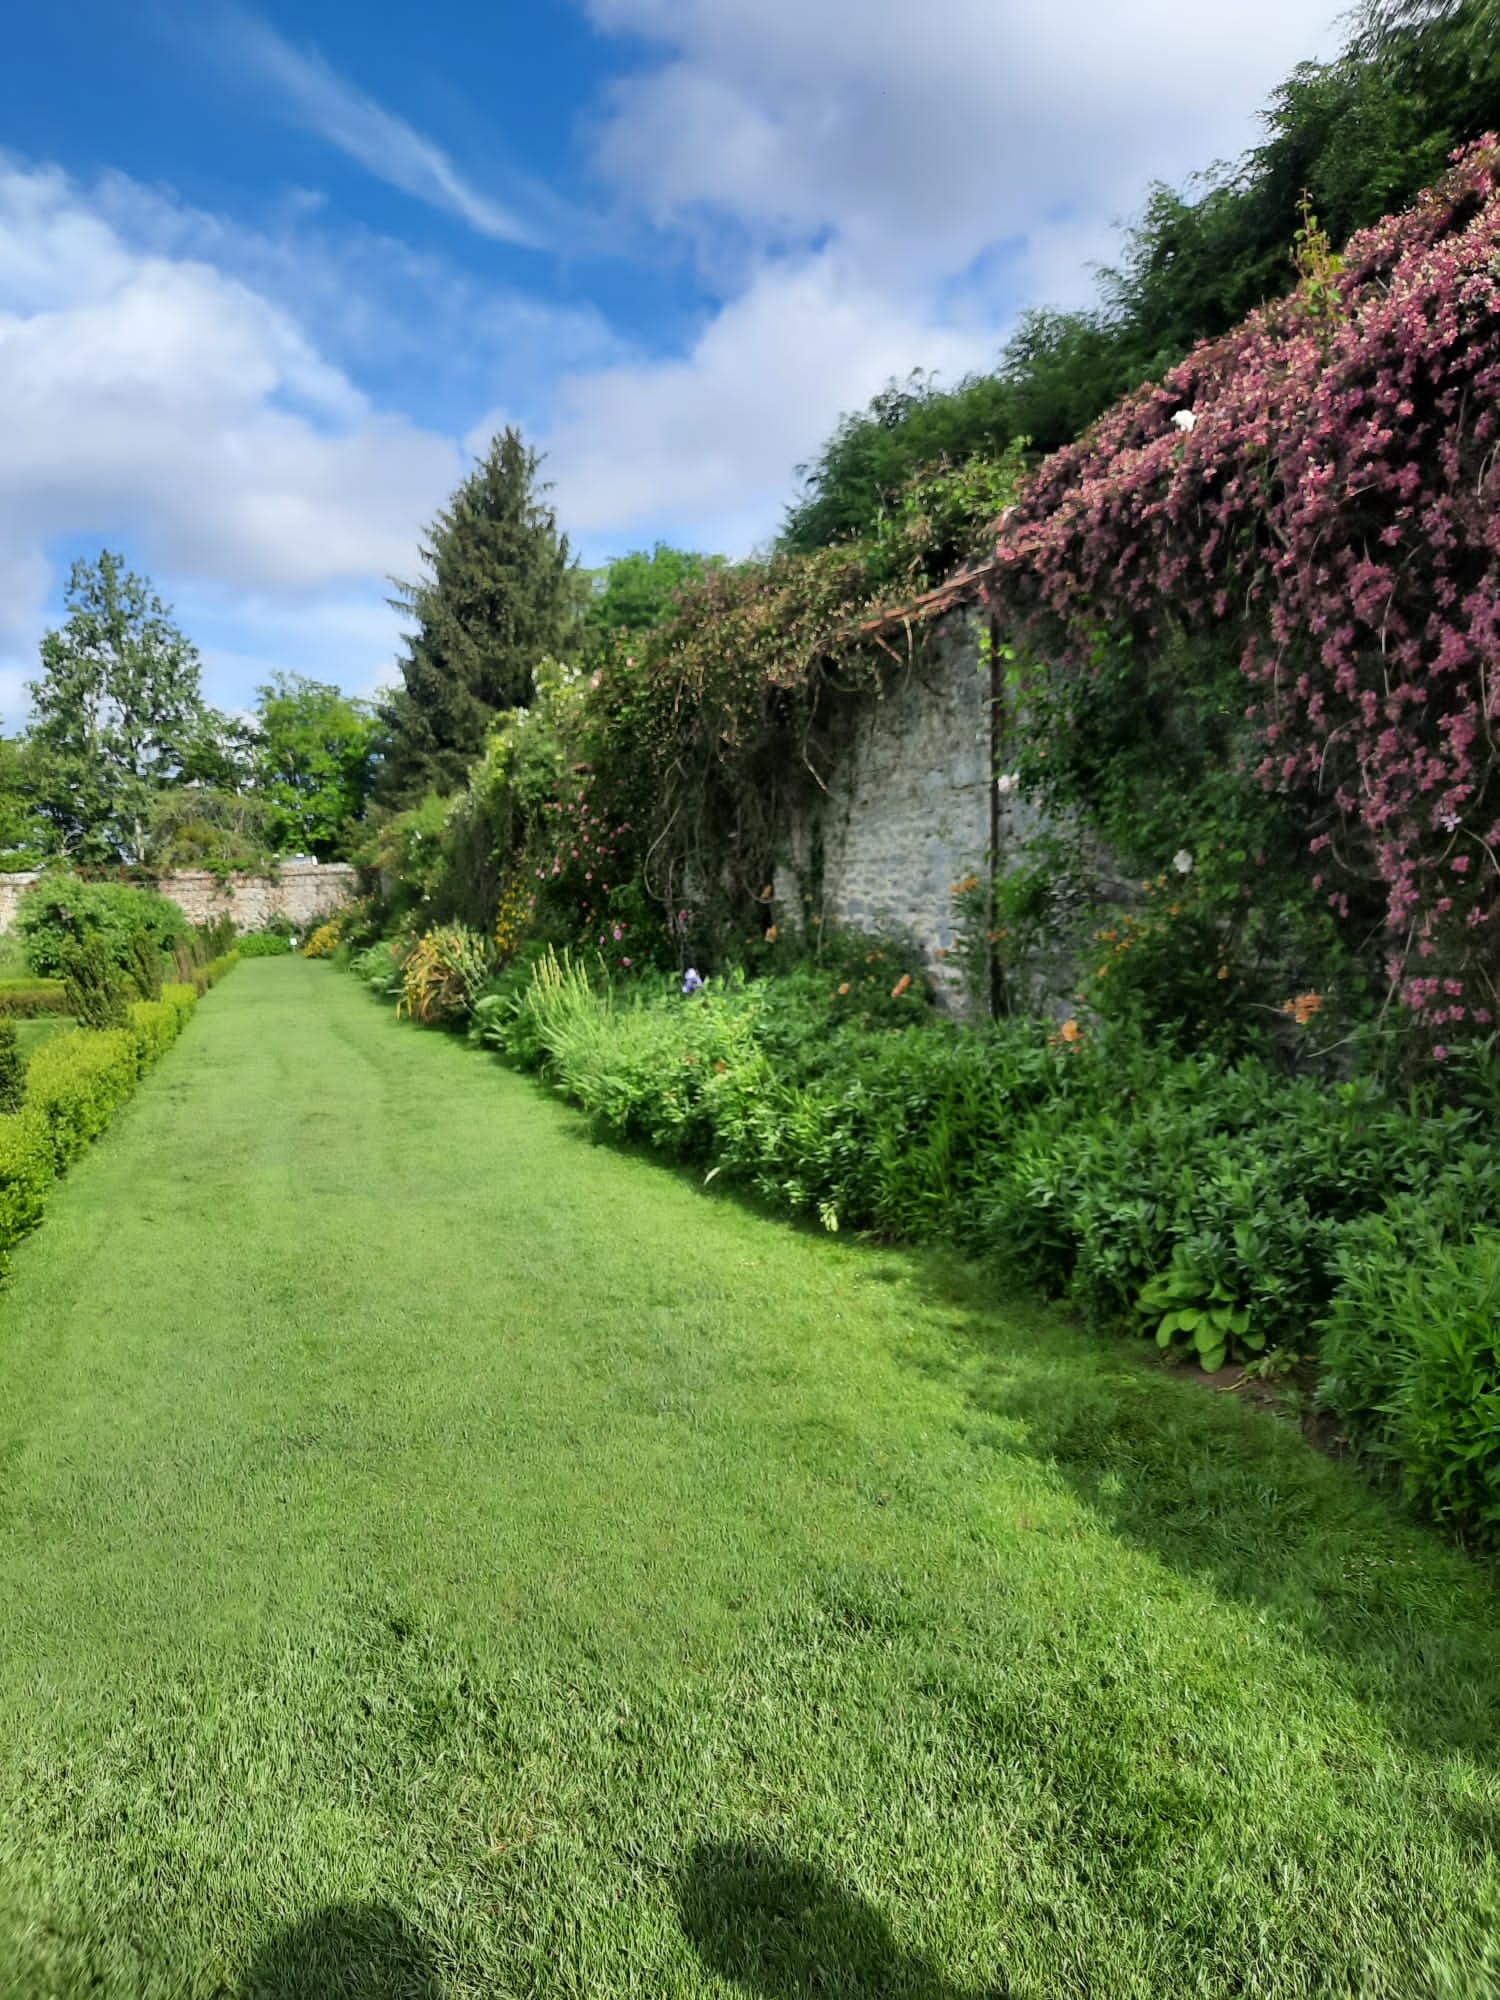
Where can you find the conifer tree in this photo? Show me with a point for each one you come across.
(498, 594)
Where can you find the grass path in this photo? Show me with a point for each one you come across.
(439, 1556)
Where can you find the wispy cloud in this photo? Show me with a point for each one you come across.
(381, 142)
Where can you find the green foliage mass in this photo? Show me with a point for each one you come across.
(115, 715)
(315, 764)
(1143, 762)
(871, 455)
(1360, 135)
(204, 826)
(95, 985)
(497, 595)
(635, 592)
(1411, 1357)
(27, 838)
(26, 999)
(62, 907)
(143, 964)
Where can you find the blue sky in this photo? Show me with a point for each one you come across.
(270, 275)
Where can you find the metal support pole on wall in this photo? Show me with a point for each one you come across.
(997, 743)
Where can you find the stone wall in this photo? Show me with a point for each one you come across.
(913, 807)
(299, 890)
(907, 809)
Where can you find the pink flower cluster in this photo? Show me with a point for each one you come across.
(1332, 506)
(581, 849)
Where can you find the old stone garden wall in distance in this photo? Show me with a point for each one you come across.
(299, 891)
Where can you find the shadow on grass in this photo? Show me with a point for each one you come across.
(781, 1929)
(350, 1951)
(1236, 1498)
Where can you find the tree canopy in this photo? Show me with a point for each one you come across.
(636, 591)
(315, 764)
(116, 714)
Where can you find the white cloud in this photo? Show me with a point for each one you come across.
(159, 402)
(865, 193)
(25, 578)
(701, 447)
(373, 298)
(381, 142)
(889, 192)
(922, 142)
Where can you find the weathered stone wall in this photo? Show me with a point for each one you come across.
(300, 890)
(908, 814)
(907, 810)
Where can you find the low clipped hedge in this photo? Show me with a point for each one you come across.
(24, 999)
(75, 1083)
(210, 974)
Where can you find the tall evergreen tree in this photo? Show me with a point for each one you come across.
(498, 594)
(115, 715)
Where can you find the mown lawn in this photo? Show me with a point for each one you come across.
(439, 1556)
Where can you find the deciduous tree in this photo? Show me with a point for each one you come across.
(115, 713)
(315, 763)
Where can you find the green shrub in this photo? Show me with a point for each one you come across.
(216, 969)
(62, 907)
(266, 944)
(824, 973)
(218, 937)
(96, 990)
(12, 1069)
(1411, 1364)
(27, 1167)
(77, 1081)
(380, 967)
(156, 1024)
(143, 966)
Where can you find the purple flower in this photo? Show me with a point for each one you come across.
(691, 983)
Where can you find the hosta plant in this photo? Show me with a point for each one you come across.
(1198, 1316)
